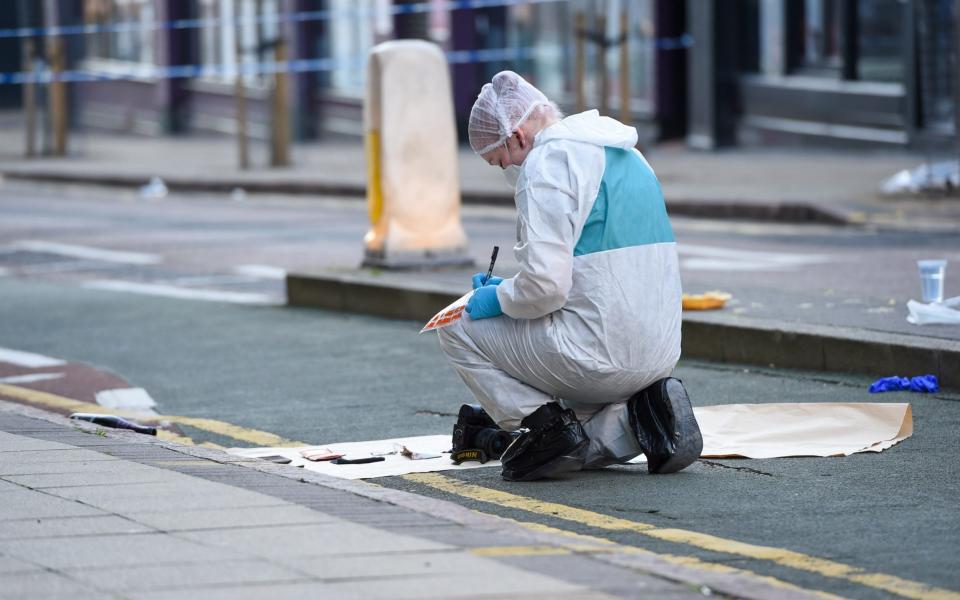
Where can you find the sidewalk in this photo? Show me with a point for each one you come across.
(93, 513)
(805, 186)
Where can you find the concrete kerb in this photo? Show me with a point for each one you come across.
(738, 585)
(774, 211)
(710, 336)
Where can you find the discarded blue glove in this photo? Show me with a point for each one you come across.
(925, 384)
(479, 283)
(484, 303)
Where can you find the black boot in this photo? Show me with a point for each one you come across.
(554, 443)
(662, 418)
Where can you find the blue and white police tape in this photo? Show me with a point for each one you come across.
(145, 71)
(298, 17)
(139, 71)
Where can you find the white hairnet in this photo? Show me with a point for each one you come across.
(502, 106)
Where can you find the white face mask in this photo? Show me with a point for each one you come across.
(512, 175)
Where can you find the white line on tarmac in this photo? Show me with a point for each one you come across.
(28, 359)
(132, 258)
(201, 280)
(170, 291)
(714, 258)
(762, 256)
(136, 399)
(30, 378)
(262, 271)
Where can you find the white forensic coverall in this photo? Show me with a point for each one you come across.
(594, 314)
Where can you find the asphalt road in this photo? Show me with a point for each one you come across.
(852, 277)
(322, 377)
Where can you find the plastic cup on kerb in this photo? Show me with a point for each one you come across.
(931, 279)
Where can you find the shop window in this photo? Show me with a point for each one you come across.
(252, 23)
(821, 31)
(133, 42)
(549, 30)
(352, 35)
(936, 69)
(880, 40)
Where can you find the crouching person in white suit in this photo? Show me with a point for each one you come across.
(576, 350)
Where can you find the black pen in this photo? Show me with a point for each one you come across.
(493, 259)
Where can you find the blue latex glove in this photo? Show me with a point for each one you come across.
(925, 384)
(479, 283)
(484, 303)
(889, 384)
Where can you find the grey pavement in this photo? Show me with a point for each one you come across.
(206, 524)
(761, 183)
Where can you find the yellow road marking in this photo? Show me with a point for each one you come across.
(583, 543)
(788, 558)
(169, 436)
(62, 404)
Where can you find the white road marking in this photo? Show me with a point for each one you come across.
(713, 258)
(30, 378)
(170, 291)
(262, 271)
(65, 266)
(136, 399)
(201, 280)
(131, 258)
(28, 359)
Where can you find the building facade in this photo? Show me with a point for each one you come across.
(876, 73)
(852, 73)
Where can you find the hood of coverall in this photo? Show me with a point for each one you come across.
(591, 128)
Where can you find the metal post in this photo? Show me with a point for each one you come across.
(851, 39)
(280, 132)
(602, 65)
(579, 30)
(626, 115)
(29, 101)
(239, 94)
(58, 97)
(956, 79)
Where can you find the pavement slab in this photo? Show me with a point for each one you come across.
(283, 513)
(208, 574)
(27, 504)
(330, 538)
(158, 540)
(69, 527)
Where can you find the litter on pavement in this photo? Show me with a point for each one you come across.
(935, 313)
(705, 301)
(773, 430)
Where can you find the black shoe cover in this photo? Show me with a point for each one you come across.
(662, 418)
(554, 443)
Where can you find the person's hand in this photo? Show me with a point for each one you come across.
(478, 280)
(484, 303)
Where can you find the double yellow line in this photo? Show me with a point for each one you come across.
(68, 405)
(787, 558)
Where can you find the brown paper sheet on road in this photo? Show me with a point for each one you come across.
(730, 430)
(817, 429)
